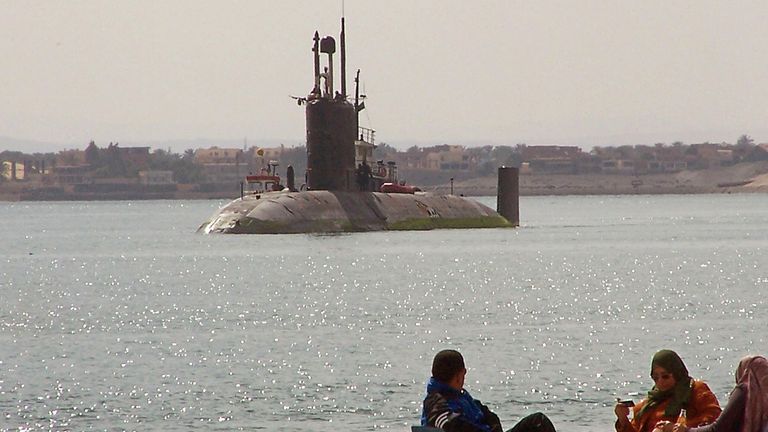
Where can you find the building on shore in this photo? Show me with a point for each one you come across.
(65, 175)
(156, 177)
(222, 165)
(552, 159)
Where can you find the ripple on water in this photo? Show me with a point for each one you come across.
(130, 325)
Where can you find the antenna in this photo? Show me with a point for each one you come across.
(357, 96)
(316, 55)
(343, 59)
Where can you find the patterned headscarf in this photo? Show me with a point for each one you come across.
(753, 374)
(680, 394)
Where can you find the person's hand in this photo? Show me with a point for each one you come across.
(622, 414)
(665, 426)
(622, 411)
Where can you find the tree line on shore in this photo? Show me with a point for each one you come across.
(111, 162)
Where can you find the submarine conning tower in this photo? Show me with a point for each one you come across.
(331, 123)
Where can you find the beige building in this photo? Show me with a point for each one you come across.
(267, 154)
(225, 172)
(217, 155)
(432, 161)
(449, 158)
(72, 174)
(13, 170)
(618, 166)
(554, 159)
(222, 165)
(438, 158)
(156, 177)
(26, 170)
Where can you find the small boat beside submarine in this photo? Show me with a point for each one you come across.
(342, 193)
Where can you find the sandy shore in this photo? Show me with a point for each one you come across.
(741, 178)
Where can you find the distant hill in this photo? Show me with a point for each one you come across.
(179, 145)
(176, 145)
(31, 146)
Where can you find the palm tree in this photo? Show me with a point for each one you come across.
(745, 141)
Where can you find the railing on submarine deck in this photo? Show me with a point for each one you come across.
(367, 135)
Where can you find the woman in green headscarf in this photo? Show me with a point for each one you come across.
(673, 391)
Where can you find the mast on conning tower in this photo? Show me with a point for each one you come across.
(316, 57)
(343, 61)
(331, 123)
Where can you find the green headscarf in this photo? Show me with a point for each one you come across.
(680, 393)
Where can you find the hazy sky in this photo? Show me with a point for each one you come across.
(541, 72)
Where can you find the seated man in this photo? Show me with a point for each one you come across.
(451, 408)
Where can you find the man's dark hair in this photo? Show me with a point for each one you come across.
(446, 365)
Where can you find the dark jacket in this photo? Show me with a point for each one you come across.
(732, 417)
(456, 411)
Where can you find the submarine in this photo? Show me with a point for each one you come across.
(342, 191)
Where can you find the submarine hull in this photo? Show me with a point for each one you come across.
(324, 211)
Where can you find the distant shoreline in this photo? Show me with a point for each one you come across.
(742, 178)
(469, 191)
(547, 186)
(115, 196)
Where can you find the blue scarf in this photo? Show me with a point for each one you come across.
(460, 402)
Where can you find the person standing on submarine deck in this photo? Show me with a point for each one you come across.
(360, 178)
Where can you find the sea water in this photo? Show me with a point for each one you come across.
(117, 316)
